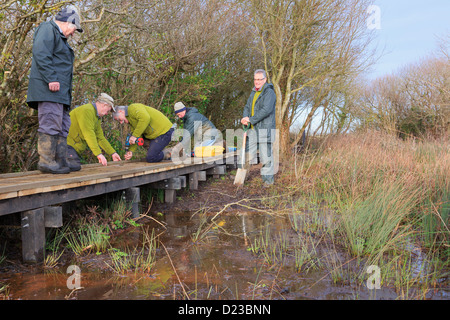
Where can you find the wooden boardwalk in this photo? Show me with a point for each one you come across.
(38, 197)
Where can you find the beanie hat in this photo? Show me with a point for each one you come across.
(69, 15)
(179, 107)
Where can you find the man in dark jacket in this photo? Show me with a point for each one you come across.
(259, 113)
(197, 126)
(50, 88)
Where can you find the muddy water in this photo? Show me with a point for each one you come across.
(196, 259)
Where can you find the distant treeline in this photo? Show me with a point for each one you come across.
(203, 53)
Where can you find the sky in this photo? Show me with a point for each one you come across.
(407, 31)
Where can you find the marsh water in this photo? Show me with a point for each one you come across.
(212, 256)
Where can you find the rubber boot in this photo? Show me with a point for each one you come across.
(72, 158)
(167, 154)
(47, 155)
(61, 155)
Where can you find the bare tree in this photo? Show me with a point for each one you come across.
(412, 102)
(148, 51)
(309, 44)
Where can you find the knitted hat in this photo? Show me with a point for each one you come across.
(104, 98)
(69, 15)
(179, 107)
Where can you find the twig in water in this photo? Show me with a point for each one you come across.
(173, 267)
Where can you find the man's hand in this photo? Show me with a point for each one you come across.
(245, 121)
(128, 155)
(116, 157)
(53, 86)
(133, 140)
(101, 159)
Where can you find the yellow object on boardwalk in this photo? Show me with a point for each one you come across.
(209, 151)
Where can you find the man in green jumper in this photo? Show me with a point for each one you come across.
(86, 131)
(150, 124)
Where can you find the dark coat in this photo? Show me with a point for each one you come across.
(195, 124)
(264, 111)
(194, 121)
(52, 62)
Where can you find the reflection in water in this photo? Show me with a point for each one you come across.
(200, 258)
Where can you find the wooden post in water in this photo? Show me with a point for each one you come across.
(33, 235)
(133, 197)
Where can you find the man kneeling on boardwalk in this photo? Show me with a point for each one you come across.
(86, 131)
(150, 124)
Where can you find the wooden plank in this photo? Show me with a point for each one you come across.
(85, 189)
(39, 182)
(8, 195)
(28, 183)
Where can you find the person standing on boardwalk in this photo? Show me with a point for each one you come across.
(86, 131)
(150, 124)
(50, 88)
(259, 113)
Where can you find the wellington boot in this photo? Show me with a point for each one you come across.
(72, 158)
(167, 154)
(61, 155)
(47, 155)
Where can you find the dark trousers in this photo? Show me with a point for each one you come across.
(154, 152)
(54, 119)
(260, 141)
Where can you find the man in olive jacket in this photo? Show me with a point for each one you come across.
(86, 131)
(259, 113)
(50, 88)
(150, 124)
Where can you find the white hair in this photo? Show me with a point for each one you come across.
(118, 108)
(261, 71)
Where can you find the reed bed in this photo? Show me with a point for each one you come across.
(384, 200)
(384, 185)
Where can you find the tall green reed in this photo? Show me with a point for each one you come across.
(373, 224)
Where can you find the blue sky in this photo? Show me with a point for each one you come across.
(409, 31)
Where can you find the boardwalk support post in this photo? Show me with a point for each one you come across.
(170, 187)
(33, 235)
(193, 181)
(133, 197)
(53, 217)
(217, 171)
(201, 175)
